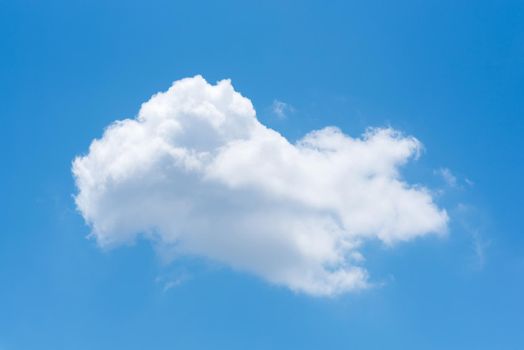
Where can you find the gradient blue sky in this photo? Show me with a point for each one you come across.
(450, 73)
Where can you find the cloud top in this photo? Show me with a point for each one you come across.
(199, 175)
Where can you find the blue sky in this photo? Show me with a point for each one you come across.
(449, 73)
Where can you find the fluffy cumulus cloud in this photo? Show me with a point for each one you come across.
(199, 175)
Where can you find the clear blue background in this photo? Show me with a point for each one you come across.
(449, 72)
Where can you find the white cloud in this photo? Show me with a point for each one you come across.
(468, 217)
(480, 247)
(171, 281)
(447, 175)
(281, 109)
(199, 175)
